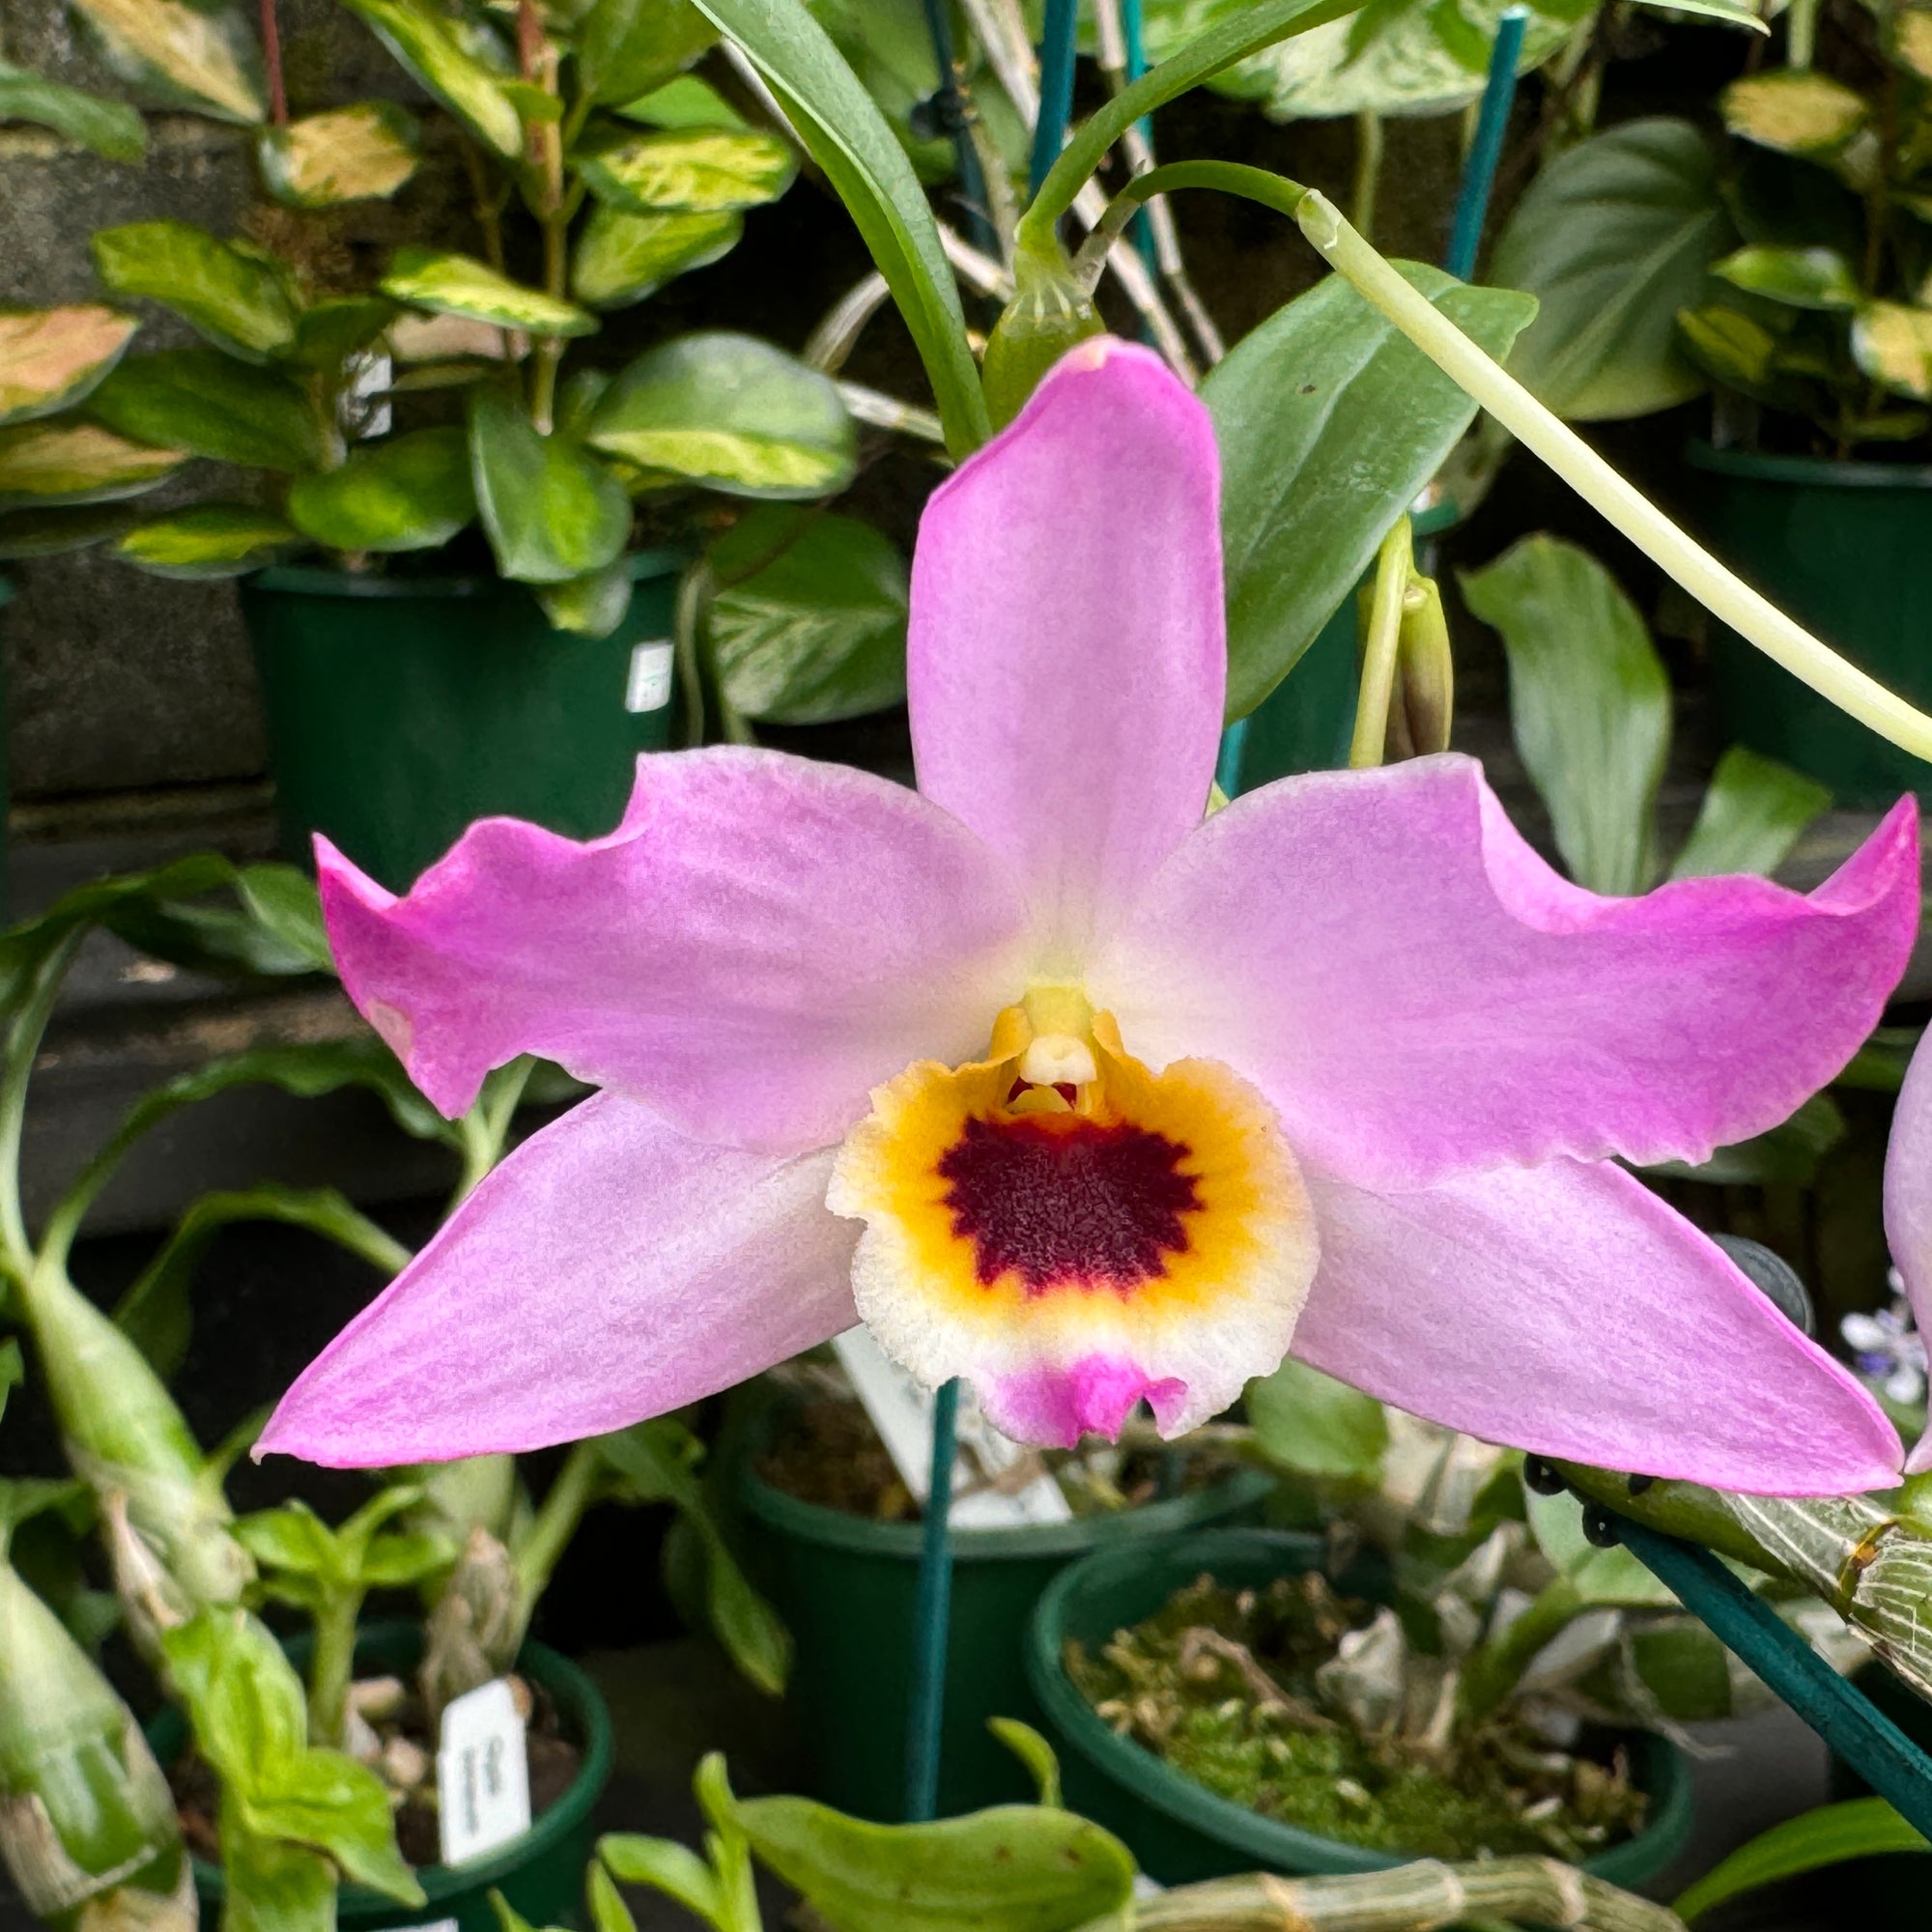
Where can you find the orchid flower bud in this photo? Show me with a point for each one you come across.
(1422, 706)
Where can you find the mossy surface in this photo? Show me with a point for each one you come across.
(1223, 1686)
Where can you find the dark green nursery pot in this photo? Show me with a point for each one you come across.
(1180, 1831)
(845, 1585)
(401, 708)
(541, 1874)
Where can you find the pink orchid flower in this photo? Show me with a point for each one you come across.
(1060, 1086)
(1908, 1207)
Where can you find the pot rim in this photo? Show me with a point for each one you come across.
(317, 580)
(577, 1697)
(1824, 471)
(1663, 1770)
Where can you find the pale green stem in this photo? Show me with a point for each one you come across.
(332, 1666)
(485, 1128)
(541, 1547)
(1371, 701)
(1368, 168)
(22, 1048)
(1800, 34)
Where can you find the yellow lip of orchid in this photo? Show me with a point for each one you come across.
(1075, 1232)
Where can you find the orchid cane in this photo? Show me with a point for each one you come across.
(1062, 1089)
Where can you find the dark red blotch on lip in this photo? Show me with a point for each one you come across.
(1059, 1202)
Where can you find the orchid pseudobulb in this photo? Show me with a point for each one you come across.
(1062, 1087)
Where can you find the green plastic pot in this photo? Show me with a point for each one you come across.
(1306, 722)
(541, 1874)
(1182, 1832)
(845, 1585)
(400, 708)
(1845, 548)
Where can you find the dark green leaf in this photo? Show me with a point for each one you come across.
(110, 127)
(1799, 277)
(328, 332)
(283, 900)
(1861, 1828)
(551, 510)
(51, 357)
(43, 464)
(239, 302)
(730, 411)
(426, 42)
(55, 532)
(695, 170)
(630, 46)
(361, 152)
(449, 284)
(1330, 422)
(622, 258)
(808, 623)
(197, 54)
(406, 493)
(201, 400)
(1612, 238)
(1315, 1426)
(209, 540)
(862, 157)
(1754, 811)
(1589, 705)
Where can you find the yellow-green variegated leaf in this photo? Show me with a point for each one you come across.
(364, 152)
(461, 285)
(77, 462)
(453, 68)
(1798, 277)
(622, 258)
(1797, 113)
(211, 540)
(1912, 40)
(1892, 344)
(110, 127)
(189, 54)
(50, 358)
(237, 300)
(730, 411)
(702, 170)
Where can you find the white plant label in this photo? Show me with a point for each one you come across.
(482, 1776)
(648, 687)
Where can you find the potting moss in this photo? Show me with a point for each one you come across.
(1222, 1685)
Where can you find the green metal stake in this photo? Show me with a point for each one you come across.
(932, 1616)
(1479, 172)
(1056, 90)
(1863, 1736)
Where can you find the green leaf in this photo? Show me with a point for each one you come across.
(291, 1536)
(733, 413)
(409, 491)
(1739, 352)
(1016, 1867)
(1892, 344)
(111, 128)
(1035, 1753)
(424, 39)
(591, 605)
(239, 302)
(663, 1864)
(242, 1696)
(1798, 277)
(1612, 238)
(282, 899)
(1315, 1426)
(684, 102)
(328, 332)
(1861, 1828)
(622, 258)
(1754, 813)
(1912, 40)
(48, 463)
(1330, 422)
(272, 1886)
(209, 540)
(51, 357)
(364, 152)
(1787, 1156)
(341, 1808)
(697, 170)
(201, 400)
(630, 46)
(449, 284)
(1589, 705)
(1607, 1576)
(863, 159)
(1794, 113)
(808, 623)
(197, 54)
(551, 509)
(28, 533)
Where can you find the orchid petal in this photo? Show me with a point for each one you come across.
(759, 943)
(1067, 654)
(1908, 1205)
(1420, 995)
(608, 1270)
(1568, 1311)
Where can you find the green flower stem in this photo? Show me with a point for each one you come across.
(332, 1665)
(484, 1129)
(21, 1049)
(1368, 169)
(541, 1547)
(1725, 594)
(1496, 1668)
(1371, 701)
